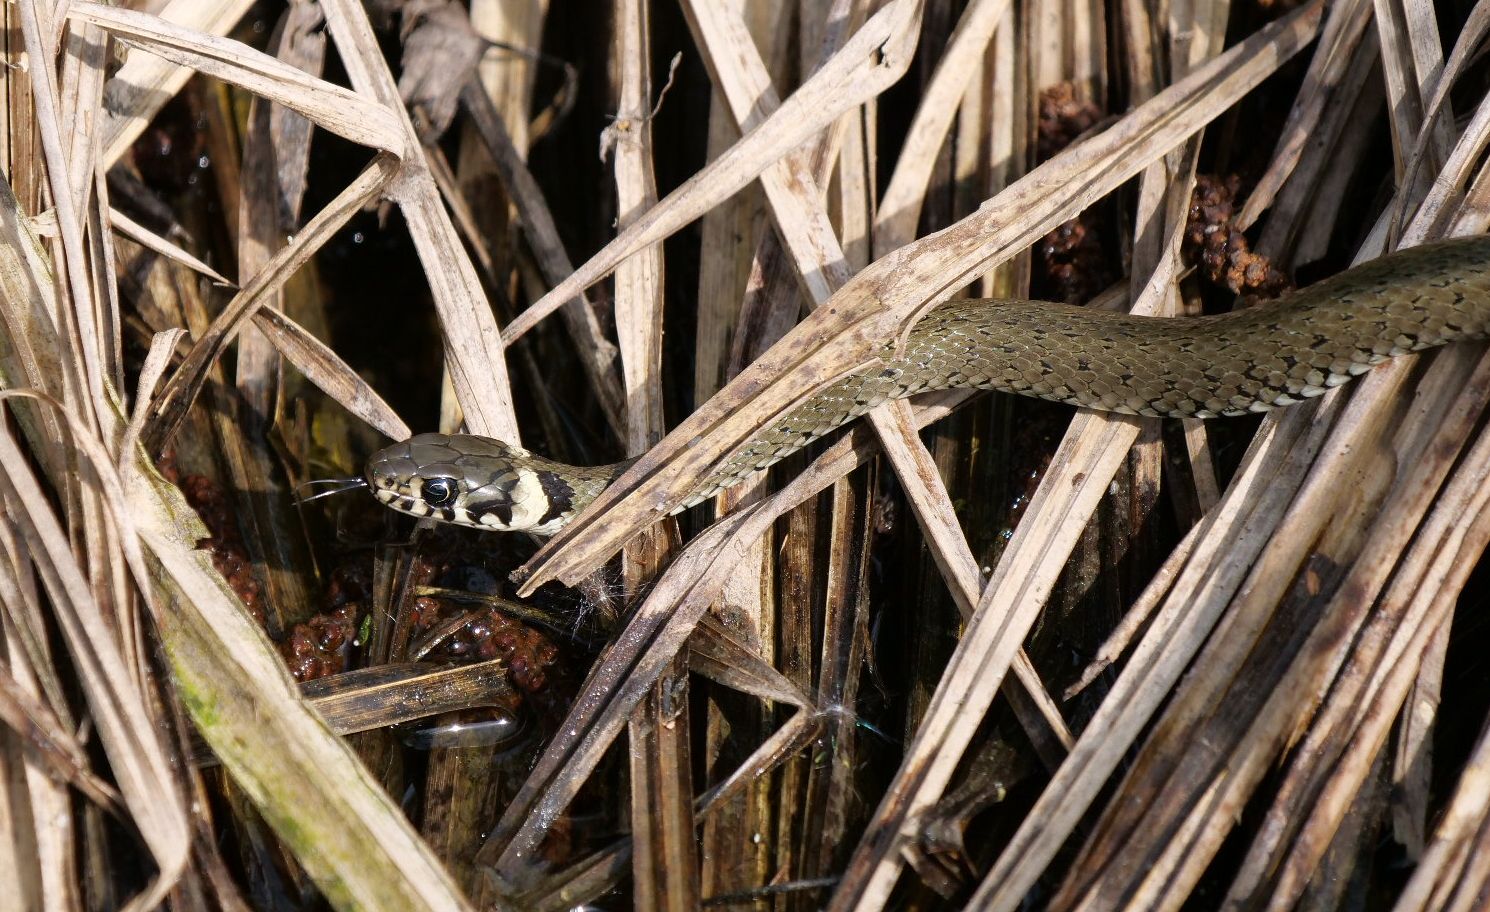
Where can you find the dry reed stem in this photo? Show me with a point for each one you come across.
(1452, 875)
(326, 105)
(1356, 718)
(473, 345)
(596, 352)
(900, 207)
(152, 241)
(324, 368)
(1338, 38)
(664, 860)
(808, 237)
(741, 299)
(376, 697)
(31, 350)
(1284, 234)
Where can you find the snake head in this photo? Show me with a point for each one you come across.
(469, 481)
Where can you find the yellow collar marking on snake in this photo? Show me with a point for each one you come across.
(1275, 354)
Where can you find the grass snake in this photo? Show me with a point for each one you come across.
(1248, 360)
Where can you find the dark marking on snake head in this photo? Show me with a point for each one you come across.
(560, 496)
(501, 509)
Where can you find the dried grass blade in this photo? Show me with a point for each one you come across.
(639, 286)
(664, 859)
(329, 106)
(1148, 676)
(1339, 751)
(383, 695)
(1338, 40)
(333, 376)
(892, 293)
(1412, 60)
(474, 353)
(1205, 796)
(152, 241)
(872, 60)
(1465, 45)
(184, 385)
(30, 348)
(900, 207)
(1326, 155)
(715, 653)
(1442, 880)
(137, 759)
(339, 822)
(81, 84)
(747, 297)
(157, 359)
(596, 352)
(665, 855)
(77, 308)
(146, 82)
(791, 188)
(56, 747)
(793, 737)
(589, 878)
(949, 547)
(264, 204)
(37, 858)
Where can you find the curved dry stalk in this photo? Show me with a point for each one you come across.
(330, 107)
(146, 82)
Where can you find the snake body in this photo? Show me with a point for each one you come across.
(1248, 360)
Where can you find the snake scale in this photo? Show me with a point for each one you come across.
(1249, 360)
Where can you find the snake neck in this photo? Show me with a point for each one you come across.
(570, 489)
(595, 479)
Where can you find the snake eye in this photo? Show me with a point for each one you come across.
(438, 492)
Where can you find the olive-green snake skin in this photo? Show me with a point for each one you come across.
(1249, 360)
